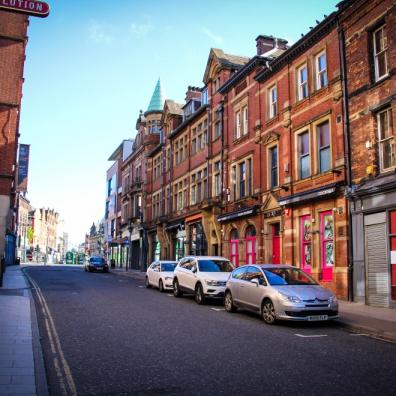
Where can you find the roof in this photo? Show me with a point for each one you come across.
(157, 99)
(173, 107)
(225, 60)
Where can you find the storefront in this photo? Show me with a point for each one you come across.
(135, 249)
(315, 244)
(374, 242)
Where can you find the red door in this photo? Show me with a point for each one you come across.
(234, 254)
(275, 231)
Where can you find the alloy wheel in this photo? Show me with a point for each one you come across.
(229, 303)
(199, 295)
(268, 312)
(160, 286)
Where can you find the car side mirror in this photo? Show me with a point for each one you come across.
(255, 281)
(194, 270)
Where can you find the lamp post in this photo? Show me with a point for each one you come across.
(130, 228)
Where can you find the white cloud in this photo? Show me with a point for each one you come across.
(217, 39)
(141, 29)
(99, 32)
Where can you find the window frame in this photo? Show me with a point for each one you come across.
(272, 104)
(320, 149)
(299, 155)
(381, 142)
(375, 54)
(271, 168)
(300, 84)
(319, 72)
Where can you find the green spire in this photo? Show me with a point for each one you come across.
(158, 99)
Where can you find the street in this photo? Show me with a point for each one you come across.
(105, 334)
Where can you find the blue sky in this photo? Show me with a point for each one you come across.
(92, 65)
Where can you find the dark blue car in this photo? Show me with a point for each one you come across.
(96, 263)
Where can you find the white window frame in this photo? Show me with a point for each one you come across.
(245, 117)
(377, 53)
(301, 84)
(238, 124)
(272, 101)
(382, 142)
(320, 72)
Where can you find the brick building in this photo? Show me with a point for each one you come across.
(369, 59)
(13, 40)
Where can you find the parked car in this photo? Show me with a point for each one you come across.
(204, 276)
(160, 274)
(279, 292)
(96, 263)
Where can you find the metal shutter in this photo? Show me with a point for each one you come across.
(377, 267)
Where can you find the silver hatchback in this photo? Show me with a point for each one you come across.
(279, 292)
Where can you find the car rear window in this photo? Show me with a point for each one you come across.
(96, 260)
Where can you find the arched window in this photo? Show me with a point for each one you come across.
(234, 251)
(250, 245)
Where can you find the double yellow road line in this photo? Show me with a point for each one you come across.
(62, 369)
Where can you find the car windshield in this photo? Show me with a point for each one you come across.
(215, 266)
(287, 276)
(168, 267)
(96, 260)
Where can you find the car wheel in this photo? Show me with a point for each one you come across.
(199, 295)
(161, 286)
(229, 303)
(85, 269)
(268, 312)
(176, 290)
(147, 283)
(89, 269)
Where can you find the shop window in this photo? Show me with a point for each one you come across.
(250, 245)
(306, 243)
(392, 244)
(327, 244)
(234, 250)
(198, 243)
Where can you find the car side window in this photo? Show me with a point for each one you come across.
(254, 273)
(238, 273)
(186, 264)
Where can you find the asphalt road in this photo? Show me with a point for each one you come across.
(118, 338)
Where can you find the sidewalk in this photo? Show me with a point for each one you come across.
(21, 364)
(358, 317)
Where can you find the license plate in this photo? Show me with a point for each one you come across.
(313, 318)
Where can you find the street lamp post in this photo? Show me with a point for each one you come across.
(130, 228)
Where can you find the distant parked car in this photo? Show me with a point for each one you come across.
(96, 263)
(160, 274)
(279, 292)
(204, 276)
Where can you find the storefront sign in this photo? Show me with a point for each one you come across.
(309, 195)
(23, 167)
(272, 213)
(28, 7)
(237, 214)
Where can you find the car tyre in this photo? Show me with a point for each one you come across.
(199, 295)
(147, 283)
(161, 286)
(229, 303)
(176, 290)
(268, 312)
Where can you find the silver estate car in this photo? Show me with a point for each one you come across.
(279, 292)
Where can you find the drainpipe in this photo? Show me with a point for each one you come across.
(347, 149)
(221, 110)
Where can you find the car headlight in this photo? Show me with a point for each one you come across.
(215, 283)
(333, 299)
(293, 299)
(168, 277)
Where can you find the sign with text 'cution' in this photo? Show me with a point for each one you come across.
(23, 167)
(28, 7)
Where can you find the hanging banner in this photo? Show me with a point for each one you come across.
(28, 7)
(23, 167)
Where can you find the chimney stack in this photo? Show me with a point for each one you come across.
(193, 93)
(267, 43)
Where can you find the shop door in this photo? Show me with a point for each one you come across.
(135, 255)
(234, 256)
(275, 231)
(250, 243)
(376, 265)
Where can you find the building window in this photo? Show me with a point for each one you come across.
(157, 167)
(217, 126)
(199, 137)
(233, 182)
(204, 96)
(245, 120)
(217, 179)
(327, 244)
(242, 180)
(392, 244)
(380, 47)
(321, 71)
(386, 140)
(234, 251)
(324, 147)
(272, 102)
(303, 153)
(238, 125)
(199, 190)
(306, 243)
(302, 81)
(273, 165)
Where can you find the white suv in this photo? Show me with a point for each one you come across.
(204, 276)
